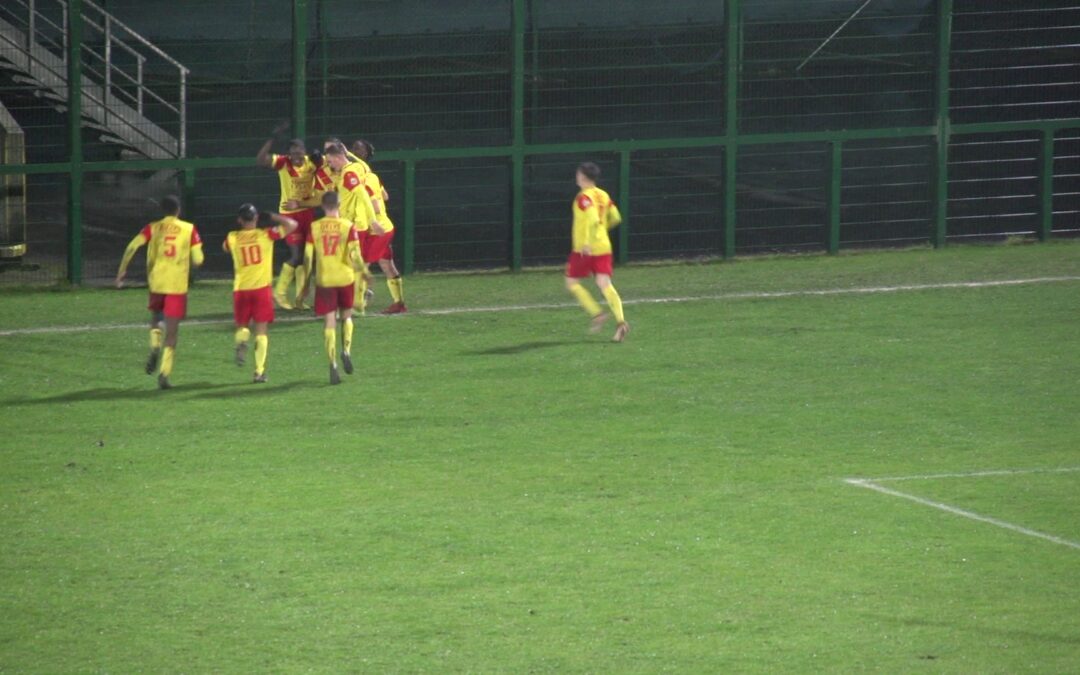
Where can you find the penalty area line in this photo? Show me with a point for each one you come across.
(748, 295)
(970, 515)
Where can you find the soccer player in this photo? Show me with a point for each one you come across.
(355, 203)
(334, 245)
(173, 247)
(376, 248)
(252, 250)
(594, 215)
(296, 172)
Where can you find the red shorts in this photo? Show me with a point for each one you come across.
(256, 304)
(172, 305)
(330, 299)
(376, 247)
(579, 266)
(303, 226)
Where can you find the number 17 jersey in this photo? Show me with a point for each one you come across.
(253, 256)
(336, 243)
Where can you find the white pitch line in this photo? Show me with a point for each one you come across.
(970, 474)
(871, 485)
(749, 295)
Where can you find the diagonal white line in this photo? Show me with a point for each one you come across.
(971, 474)
(750, 295)
(870, 485)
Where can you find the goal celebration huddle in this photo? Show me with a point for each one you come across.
(333, 218)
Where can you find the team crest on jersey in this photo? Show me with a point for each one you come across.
(351, 180)
(584, 202)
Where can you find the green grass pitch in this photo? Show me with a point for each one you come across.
(495, 491)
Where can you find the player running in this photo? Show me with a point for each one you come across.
(252, 250)
(350, 178)
(376, 248)
(333, 244)
(296, 172)
(594, 215)
(173, 247)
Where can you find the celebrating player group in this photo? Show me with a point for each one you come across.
(335, 250)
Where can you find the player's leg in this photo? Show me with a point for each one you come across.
(603, 282)
(168, 354)
(241, 317)
(262, 345)
(576, 270)
(346, 340)
(157, 324)
(303, 221)
(395, 283)
(288, 274)
(326, 306)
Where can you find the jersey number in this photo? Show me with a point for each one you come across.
(170, 246)
(330, 244)
(250, 255)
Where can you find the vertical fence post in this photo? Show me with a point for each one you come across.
(836, 165)
(75, 148)
(410, 216)
(517, 84)
(187, 195)
(941, 122)
(733, 57)
(299, 94)
(1046, 186)
(624, 206)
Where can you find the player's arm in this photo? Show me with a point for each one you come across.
(613, 217)
(133, 246)
(264, 158)
(352, 248)
(225, 244)
(197, 256)
(309, 257)
(287, 224)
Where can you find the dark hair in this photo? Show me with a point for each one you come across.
(297, 143)
(170, 205)
(330, 200)
(363, 148)
(332, 140)
(248, 212)
(335, 149)
(590, 171)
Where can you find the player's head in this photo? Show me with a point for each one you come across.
(329, 142)
(248, 215)
(363, 149)
(330, 202)
(587, 175)
(297, 151)
(336, 157)
(170, 205)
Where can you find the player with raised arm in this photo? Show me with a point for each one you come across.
(356, 206)
(252, 251)
(296, 173)
(377, 248)
(173, 246)
(333, 244)
(594, 215)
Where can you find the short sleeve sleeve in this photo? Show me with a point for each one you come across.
(196, 240)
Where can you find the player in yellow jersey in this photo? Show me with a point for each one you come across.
(296, 173)
(377, 248)
(356, 203)
(173, 246)
(333, 245)
(252, 250)
(594, 215)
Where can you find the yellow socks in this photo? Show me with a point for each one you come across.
(155, 339)
(300, 273)
(242, 335)
(397, 289)
(167, 361)
(585, 299)
(262, 343)
(346, 335)
(330, 339)
(614, 302)
(288, 273)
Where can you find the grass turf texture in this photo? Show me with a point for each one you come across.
(497, 491)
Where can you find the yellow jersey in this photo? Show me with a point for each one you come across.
(253, 256)
(375, 192)
(297, 182)
(355, 201)
(334, 245)
(594, 215)
(172, 246)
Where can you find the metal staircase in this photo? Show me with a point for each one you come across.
(147, 115)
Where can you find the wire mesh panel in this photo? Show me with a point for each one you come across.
(462, 213)
(677, 203)
(829, 64)
(45, 213)
(594, 73)
(781, 197)
(1067, 182)
(993, 185)
(1015, 61)
(886, 192)
(411, 74)
(549, 195)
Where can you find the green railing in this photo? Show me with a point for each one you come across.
(940, 133)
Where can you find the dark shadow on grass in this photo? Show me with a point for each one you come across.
(523, 347)
(115, 394)
(251, 389)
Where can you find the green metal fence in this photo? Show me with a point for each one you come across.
(735, 127)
